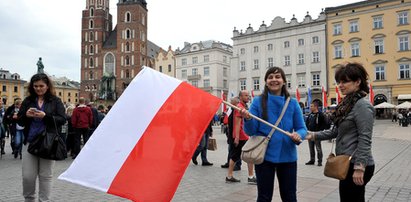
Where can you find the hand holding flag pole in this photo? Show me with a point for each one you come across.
(264, 121)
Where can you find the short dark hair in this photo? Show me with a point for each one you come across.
(41, 77)
(353, 72)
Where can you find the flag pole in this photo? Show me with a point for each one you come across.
(259, 119)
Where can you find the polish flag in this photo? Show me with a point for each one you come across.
(223, 106)
(324, 95)
(338, 95)
(371, 95)
(297, 94)
(142, 148)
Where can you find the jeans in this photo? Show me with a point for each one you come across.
(77, 139)
(286, 176)
(317, 145)
(349, 191)
(202, 148)
(18, 140)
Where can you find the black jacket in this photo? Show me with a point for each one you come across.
(53, 107)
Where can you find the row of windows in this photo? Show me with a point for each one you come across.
(300, 80)
(206, 83)
(403, 72)
(403, 45)
(90, 49)
(160, 68)
(301, 42)
(287, 61)
(206, 58)
(377, 22)
(206, 72)
(69, 93)
(15, 90)
(15, 77)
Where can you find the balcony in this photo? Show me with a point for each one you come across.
(194, 77)
(207, 89)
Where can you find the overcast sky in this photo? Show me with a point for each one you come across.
(51, 28)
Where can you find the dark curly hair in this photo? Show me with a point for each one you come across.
(353, 72)
(41, 77)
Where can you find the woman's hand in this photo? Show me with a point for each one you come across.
(309, 136)
(245, 114)
(358, 177)
(295, 137)
(39, 114)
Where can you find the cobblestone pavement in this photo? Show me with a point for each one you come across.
(391, 181)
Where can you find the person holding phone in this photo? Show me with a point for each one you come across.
(39, 111)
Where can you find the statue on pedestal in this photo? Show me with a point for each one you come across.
(40, 66)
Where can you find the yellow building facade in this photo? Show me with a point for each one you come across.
(376, 34)
(165, 62)
(11, 87)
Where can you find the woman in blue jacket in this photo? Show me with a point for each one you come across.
(281, 154)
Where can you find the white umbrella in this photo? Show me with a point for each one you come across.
(404, 105)
(384, 105)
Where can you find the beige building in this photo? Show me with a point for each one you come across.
(67, 90)
(376, 34)
(165, 62)
(11, 87)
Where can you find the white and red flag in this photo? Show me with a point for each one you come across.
(337, 94)
(324, 96)
(223, 106)
(297, 94)
(142, 148)
(371, 95)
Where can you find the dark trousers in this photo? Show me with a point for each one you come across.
(286, 176)
(202, 148)
(77, 139)
(350, 192)
(317, 145)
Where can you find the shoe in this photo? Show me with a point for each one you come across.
(194, 161)
(310, 163)
(207, 164)
(231, 180)
(236, 168)
(252, 180)
(224, 165)
(15, 154)
(319, 164)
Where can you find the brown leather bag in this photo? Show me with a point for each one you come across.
(212, 144)
(337, 166)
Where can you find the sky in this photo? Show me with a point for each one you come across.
(51, 29)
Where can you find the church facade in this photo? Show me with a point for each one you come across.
(112, 56)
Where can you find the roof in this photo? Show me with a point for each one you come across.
(111, 41)
(152, 49)
(355, 5)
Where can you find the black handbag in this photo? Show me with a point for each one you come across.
(49, 145)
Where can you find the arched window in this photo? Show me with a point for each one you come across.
(127, 74)
(127, 60)
(109, 64)
(91, 36)
(127, 46)
(91, 12)
(127, 17)
(91, 24)
(91, 75)
(91, 49)
(91, 62)
(94, 86)
(128, 34)
(91, 2)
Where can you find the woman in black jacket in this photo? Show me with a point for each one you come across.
(39, 111)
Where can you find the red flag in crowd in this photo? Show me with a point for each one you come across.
(337, 94)
(297, 95)
(371, 95)
(324, 95)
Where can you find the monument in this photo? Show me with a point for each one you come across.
(40, 66)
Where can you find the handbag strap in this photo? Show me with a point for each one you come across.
(279, 118)
(55, 125)
(332, 147)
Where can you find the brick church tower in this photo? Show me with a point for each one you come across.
(110, 58)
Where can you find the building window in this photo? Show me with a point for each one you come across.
(404, 43)
(337, 51)
(127, 74)
(91, 36)
(242, 66)
(4, 88)
(316, 79)
(377, 22)
(288, 78)
(287, 60)
(127, 47)
(206, 58)
(91, 76)
(242, 51)
(354, 26)
(194, 83)
(91, 24)
(403, 18)
(225, 84)
(184, 61)
(270, 47)
(243, 84)
(225, 72)
(169, 68)
(337, 29)
(256, 84)
(91, 62)
(206, 83)
(127, 17)
(195, 60)
(300, 58)
(91, 50)
(206, 71)
(301, 80)
(224, 59)
(256, 64)
(16, 89)
(194, 71)
(379, 72)
(69, 94)
(355, 49)
(127, 60)
(404, 71)
(315, 39)
(91, 12)
(301, 42)
(379, 46)
(184, 73)
(160, 68)
(316, 56)
(286, 44)
(255, 49)
(128, 34)
(270, 62)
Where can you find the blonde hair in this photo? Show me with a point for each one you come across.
(69, 110)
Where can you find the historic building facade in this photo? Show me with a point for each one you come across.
(165, 62)
(377, 35)
(297, 47)
(11, 87)
(110, 58)
(205, 65)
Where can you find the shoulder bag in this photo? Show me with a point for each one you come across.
(337, 166)
(254, 149)
(48, 145)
